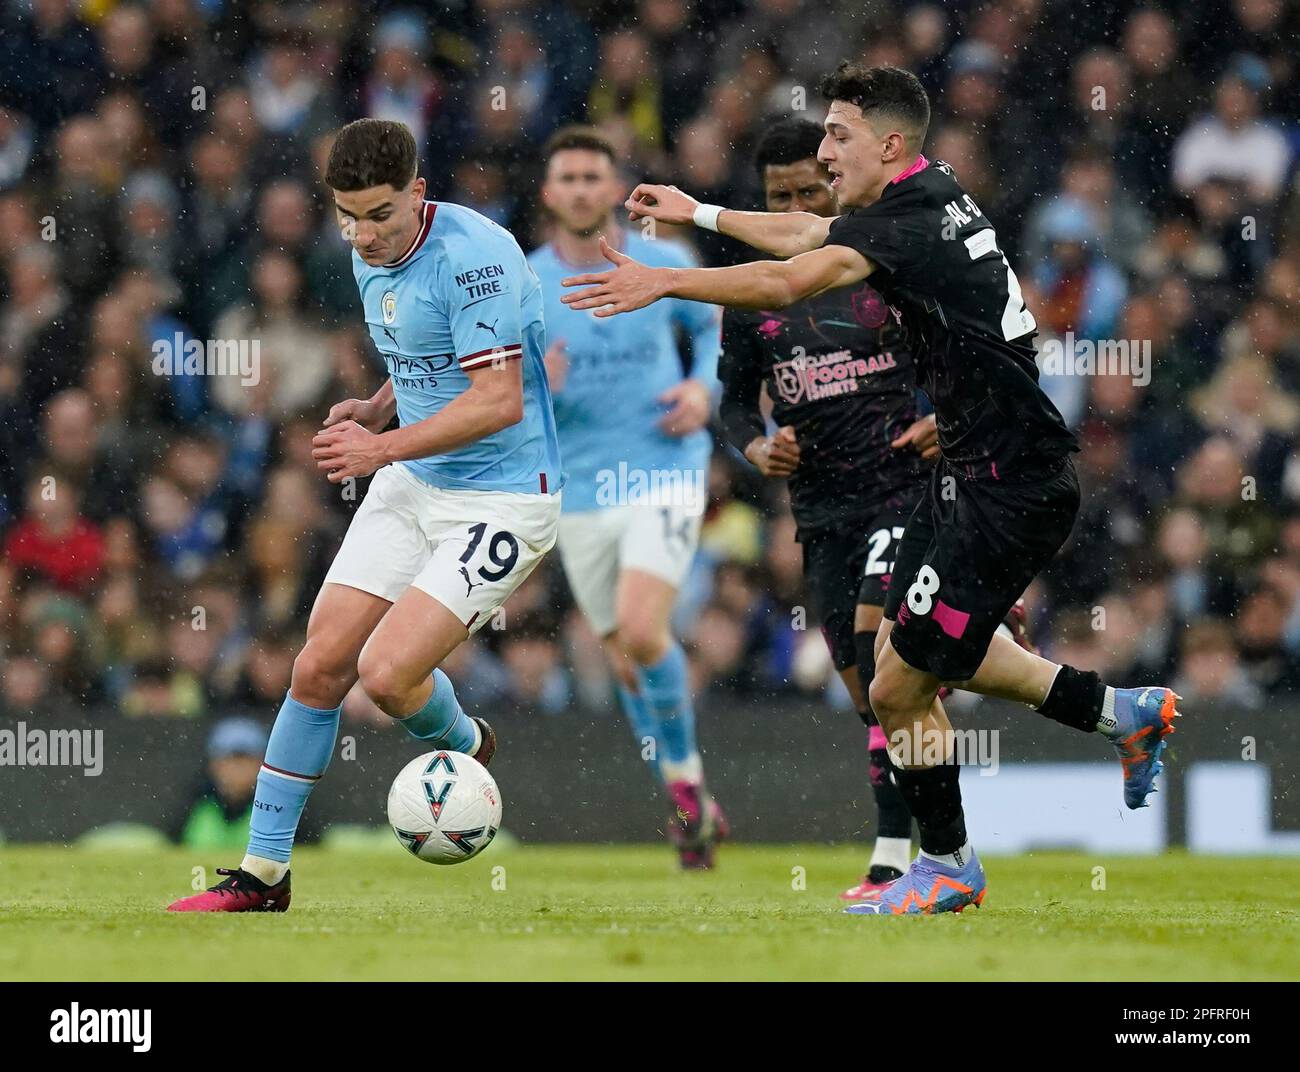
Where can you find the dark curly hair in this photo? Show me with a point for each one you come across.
(887, 95)
(787, 141)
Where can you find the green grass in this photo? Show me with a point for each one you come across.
(600, 912)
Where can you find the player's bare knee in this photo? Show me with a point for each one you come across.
(895, 694)
(886, 697)
(624, 670)
(645, 643)
(320, 678)
(384, 683)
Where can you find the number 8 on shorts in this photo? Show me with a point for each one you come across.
(920, 596)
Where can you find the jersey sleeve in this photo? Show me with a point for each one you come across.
(741, 371)
(482, 288)
(895, 236)
(702, 322)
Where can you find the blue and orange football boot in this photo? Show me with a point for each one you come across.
(1144, 717)
(928, 888)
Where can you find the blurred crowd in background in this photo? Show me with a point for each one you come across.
(162, 536)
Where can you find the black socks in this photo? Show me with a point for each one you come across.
(1075, 699)
(895, 818)
(864, 651)
(934, 797)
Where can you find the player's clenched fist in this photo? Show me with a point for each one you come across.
(370, 415)
(922, 436)
(347, 450)
(775, 455)
(690, 403)
(667, 204)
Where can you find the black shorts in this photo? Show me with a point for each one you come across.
(846, 566)
(969, 552)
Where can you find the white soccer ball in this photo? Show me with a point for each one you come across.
(444, 807)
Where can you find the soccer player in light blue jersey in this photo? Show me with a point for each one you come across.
(632, 429)
(465, 499)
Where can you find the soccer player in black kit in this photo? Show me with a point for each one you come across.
(850, 442)
(1001, 501)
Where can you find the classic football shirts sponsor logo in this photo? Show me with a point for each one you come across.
(809, 379)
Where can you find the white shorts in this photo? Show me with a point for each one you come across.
(597, 545)
(468, 549)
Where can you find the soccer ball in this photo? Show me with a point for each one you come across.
(444, 807)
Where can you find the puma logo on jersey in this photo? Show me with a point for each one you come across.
(469, 585)
(391, 336)
(492, 327)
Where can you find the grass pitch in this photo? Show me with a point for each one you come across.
(624, 912)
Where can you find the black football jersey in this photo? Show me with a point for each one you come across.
(838, 370)
(939, 267)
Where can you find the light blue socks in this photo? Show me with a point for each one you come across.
(302, 741)
(441, 722)
(666, 690)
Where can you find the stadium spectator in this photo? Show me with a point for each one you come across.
(52, 540)
(1233, 141)
(536, 678)
(1211, 668)
(17, 144)
(1260, 630)
(217, 820)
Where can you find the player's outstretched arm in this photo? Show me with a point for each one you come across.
(782, 234)
(758, 285)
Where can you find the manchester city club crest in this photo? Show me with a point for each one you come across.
(389, 307)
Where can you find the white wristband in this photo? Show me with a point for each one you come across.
(706, 216)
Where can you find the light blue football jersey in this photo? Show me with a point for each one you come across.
(462, 297)
(608, 410)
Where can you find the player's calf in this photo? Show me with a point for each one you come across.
(439, 720)
(892, 851)
(297, 755)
